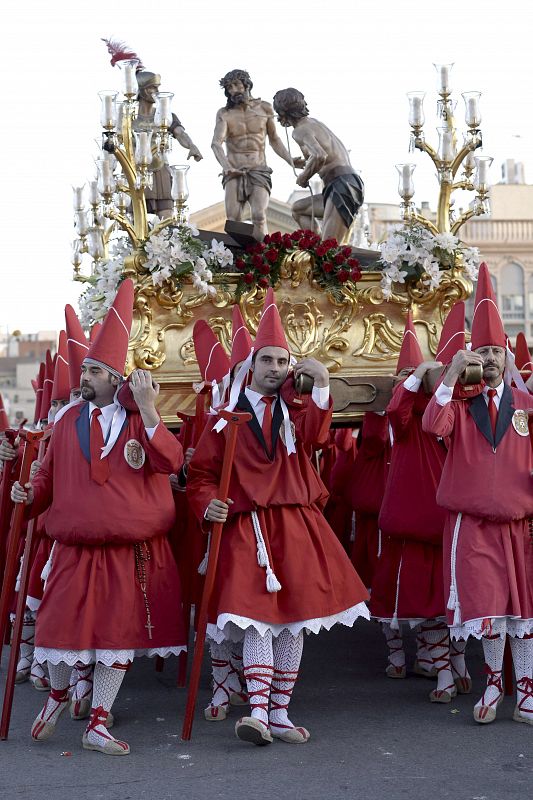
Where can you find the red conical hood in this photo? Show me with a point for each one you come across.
(410, 353)
(4, 422)
(523, 360)
(110, 348)
(47, 386)
(452, 337)
(270, 331)
(77, 347)
(95, 330)
(211, 356)
(487, 326)
(241, 341)
(61, 386)
(39, 394)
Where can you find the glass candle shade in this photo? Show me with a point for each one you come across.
(416, 109)
(163, 114)
(472, 112)
(406, 188)
(179, 189)
(143, 148)
(443, 78)
(108, 110)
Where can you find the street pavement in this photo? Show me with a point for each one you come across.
(371, 738)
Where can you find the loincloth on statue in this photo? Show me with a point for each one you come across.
(255, 176)
(346, 190)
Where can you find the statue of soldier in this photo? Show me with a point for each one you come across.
(242, 126)
(325, 154)
(158, 200)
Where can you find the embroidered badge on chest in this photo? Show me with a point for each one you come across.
(134, 454)
(520, 422)
(282, 432)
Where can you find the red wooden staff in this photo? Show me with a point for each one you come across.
(10, 572)
(199, 425)
(23, 588)
(191, 440)
(6, 504)
(235, 419)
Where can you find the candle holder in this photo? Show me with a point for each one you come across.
(448, 157)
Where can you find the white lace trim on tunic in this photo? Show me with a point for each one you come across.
(106, 657)
(412, 621)
(232, 627)
(514, 626)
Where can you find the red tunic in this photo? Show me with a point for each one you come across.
(366, 489)
(93, 598)
(338, 510)
(488, 564)
(408, 577)
(317, 578)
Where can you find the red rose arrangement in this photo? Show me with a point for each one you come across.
(260, 264)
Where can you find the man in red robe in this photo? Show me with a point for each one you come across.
(407, 584)
(487, 491)
(113, 591)
(274, 523)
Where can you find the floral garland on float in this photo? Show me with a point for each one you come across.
(333, 265)
(170, 255)
(177, 252)
(411, 253)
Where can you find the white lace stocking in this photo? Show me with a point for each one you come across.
(84, 681)
(221, 671)
(27, 643)
(457, 659)
(395, 644)
(236, 679)
(437, 638)
(493, 648)
(522, 650)
(287, 656)
(422, 656)
(107, 682)
(258, 661)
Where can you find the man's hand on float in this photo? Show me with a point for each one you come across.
(217, 511)
(424, 367)
(22, 494)
(315, 369)
(460, 361)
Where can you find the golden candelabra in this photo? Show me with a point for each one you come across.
(448, 158)
(124, 171)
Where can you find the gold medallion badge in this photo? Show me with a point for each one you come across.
(520, 422)
(134, 454)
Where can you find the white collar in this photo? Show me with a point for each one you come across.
(255, 397)
(499, 390)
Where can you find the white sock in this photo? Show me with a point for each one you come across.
(84, 681)
(287, 656)
(437, 637)
(236, 679)
(493, 648)
(107, 682)
(395, 644)
(38, 673)
(422, 655)
(220, 669)
(258, 661)
(57, 699)
(27, 644)
(457, 659)
(522, 650)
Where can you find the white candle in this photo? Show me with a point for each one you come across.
(94, 195)
(163, 115)
(406, 186)
(472, 114)
(76, 255)
(108, 110)
(130, 81)
(482, 171)
(446, 148)
(143, 148)
(178, 189)
(81, 222)
(77, 197)
(416, 108)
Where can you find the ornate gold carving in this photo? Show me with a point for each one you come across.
(296, 268)
(381, 340)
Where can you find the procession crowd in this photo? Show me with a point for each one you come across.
(420, 518)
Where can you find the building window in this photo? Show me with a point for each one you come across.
(512, 292)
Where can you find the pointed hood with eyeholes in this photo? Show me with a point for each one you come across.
(110, 348)
(410, 353)
(77, 347)
(487, 326)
